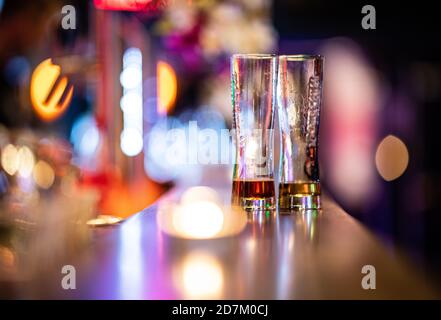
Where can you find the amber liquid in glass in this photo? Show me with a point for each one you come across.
(299, 195)
(254, 193)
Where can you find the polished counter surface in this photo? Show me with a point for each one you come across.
(319, 255)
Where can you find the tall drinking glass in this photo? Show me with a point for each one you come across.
(253, 78)
(299, 95)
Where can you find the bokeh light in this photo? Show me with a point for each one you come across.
(7, 258)
(198, 220)
(391, 158)
(129, 100)
(85, 136)
(202, 276)
(43, 174)
(352, 103)
(199, 193)
(200, 213)
(167, 87)
(26, 161)
(104, 220)
(131, 77)
(9, 159)
(46, 99)
(131, 142)
(156, 161)
(132, 103)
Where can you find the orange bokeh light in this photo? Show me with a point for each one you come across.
(391, 158)
(119, 197)
(45, 97)
(167, 87)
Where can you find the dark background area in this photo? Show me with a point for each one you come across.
(405, 35)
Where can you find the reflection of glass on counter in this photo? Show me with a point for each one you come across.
(252, 84)
(262, 223)
(306, 223)
(299, 96)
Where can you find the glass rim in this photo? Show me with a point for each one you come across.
(301, 57)
(253, 56)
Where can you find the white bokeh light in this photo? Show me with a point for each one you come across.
(199, 220)
(131, 142)
(131, 77)
(132, 103)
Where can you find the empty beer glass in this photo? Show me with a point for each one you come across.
(253, 78)
(299, 94)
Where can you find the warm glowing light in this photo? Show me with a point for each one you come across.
(26, 161)
(45, 98)
(43, 174)
(199, 193)
(200, 213)
(124, 5)
(202, 276)
(104, 220)
(167, 87)
(178, 220)
(123, 199)
(199, 220)
(391, 158)
(7, 257)
(9, 159)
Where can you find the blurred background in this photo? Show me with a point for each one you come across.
(85, 105)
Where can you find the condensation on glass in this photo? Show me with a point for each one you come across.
(299, 96)
(253, 78)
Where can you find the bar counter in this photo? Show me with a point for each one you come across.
(315, 256)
